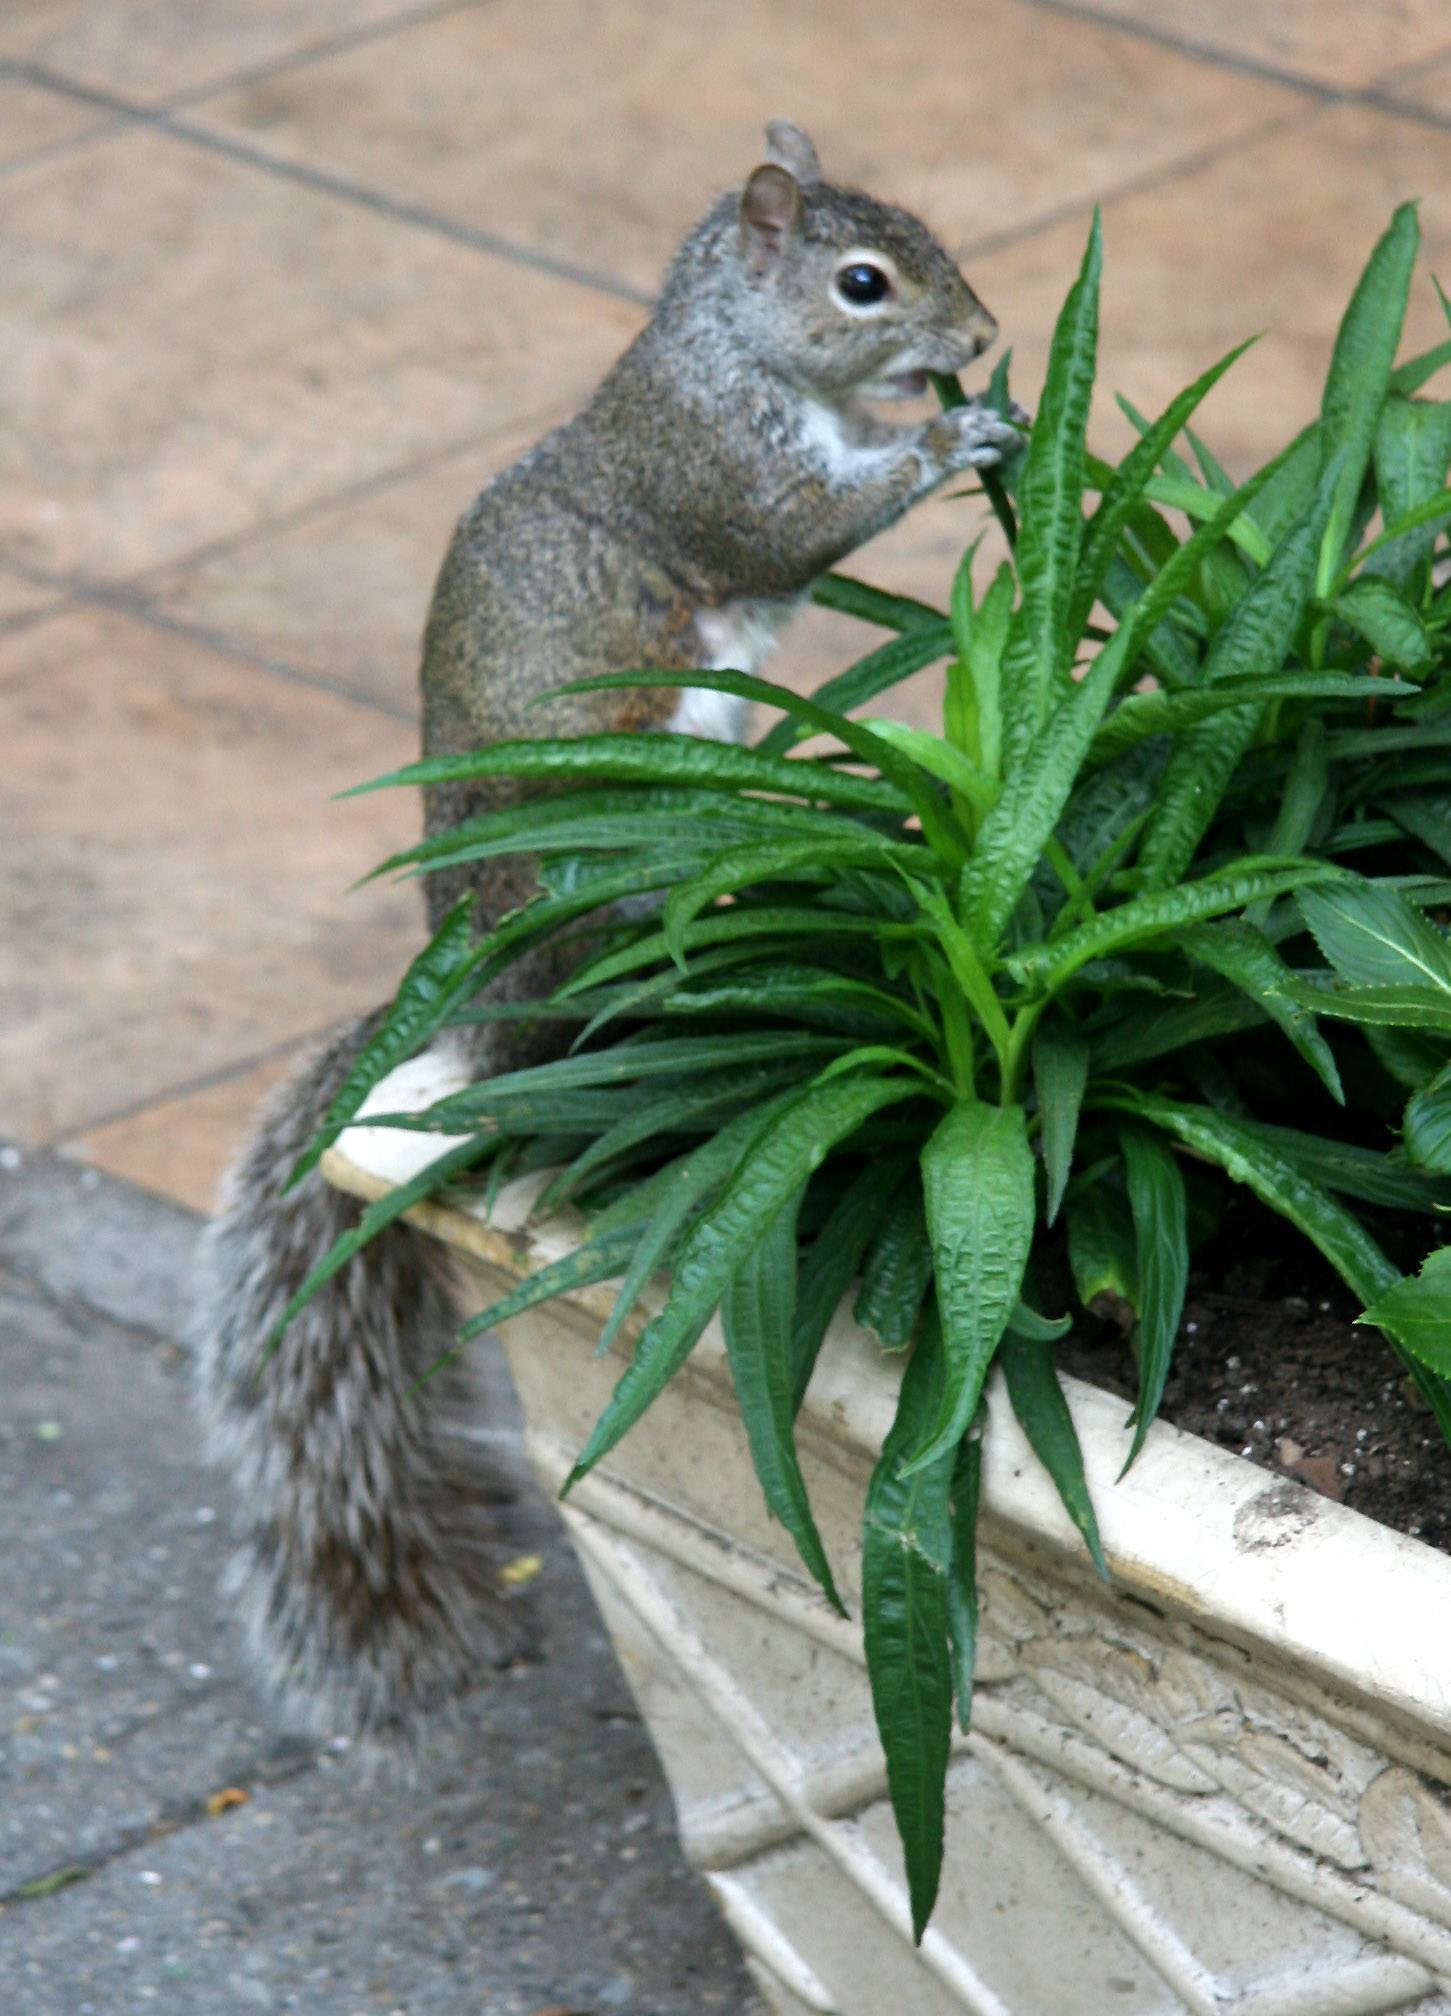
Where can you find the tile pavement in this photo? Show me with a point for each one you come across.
(284, 283)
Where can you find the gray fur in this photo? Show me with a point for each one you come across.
(726, 460)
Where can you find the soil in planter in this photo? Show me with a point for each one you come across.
(1270, 1363)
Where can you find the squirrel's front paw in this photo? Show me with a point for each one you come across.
(970, 437)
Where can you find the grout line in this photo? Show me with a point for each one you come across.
(187, 1088)
(123, 601)
(1140, 184)
(325, 183)
(420, 15)
(358, 491)
(1204, 52)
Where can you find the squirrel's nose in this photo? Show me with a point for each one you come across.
(981, 328)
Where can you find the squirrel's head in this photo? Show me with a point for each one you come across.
(841, 293)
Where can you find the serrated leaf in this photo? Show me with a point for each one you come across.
(1126, 486)
(660, 758)
(1424, 1008)
(882, 669)
(977, 1179)
(831, 1264)
(598, 1259)
(896, 1271)
(1360, 373)
(1101, 1247)
(907, 1551)
(1412, 459)
(1377, 611)
(1161, 1245)
(1037, 1400)
(1050, 493)
(850, 597)
(962, 1605)
(1164, 912)
(784, 1155)
(1416, 1311)
(1246, 958)
(780, 861)
(1252, 644)
(756, 1316)
(1428, 1125)
(1373, 937)
(1060, 1072)
(1140, 715)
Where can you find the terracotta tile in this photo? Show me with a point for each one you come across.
(179, 1147)
(19, 597)
(153, 49)
(1271, 238)
(31, 117)
(176, 889)
(482, 116)
(1334, 41)
(1429, 88)
(194, 346)
(343, 595)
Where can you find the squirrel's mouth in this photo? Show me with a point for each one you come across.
(909, 384)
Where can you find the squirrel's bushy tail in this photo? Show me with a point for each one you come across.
(364, 1583)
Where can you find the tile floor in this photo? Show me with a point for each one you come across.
(285, 280)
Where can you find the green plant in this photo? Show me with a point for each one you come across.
(911, 1006)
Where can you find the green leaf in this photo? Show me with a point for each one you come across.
(777, 861)
(428, 990)
(1011, 839)
(1377, 611)
(1161, 1265)
(1373, 937)
(1412, 458)
(1360, 374)
(897, 1270)
(659, 758)
(1140, 715)
(831, 1264)
(756, 1315)
(1428, 1125)
(1050, 497)
(1354, 1171)
(865, 746)
(1126, 486)
(797, 1140)
(1164, 912)
(1379, 1007)
(740, 923)
(907, 1553)
(1417, 1312)
(1060, 1072)
(874, 674)
(974, 711)
(599, 1259)
(1102, 1250)
(939, 758)
(1037, 1400)
(850, 597)
(1246, 958)
(1246, 1157)
(977, 1178)
(962, 1606)
(1252, 644)
(1426, 819)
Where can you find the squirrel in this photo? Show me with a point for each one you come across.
(727, 459)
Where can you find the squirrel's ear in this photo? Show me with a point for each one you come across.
(770, 213)
(790, 147)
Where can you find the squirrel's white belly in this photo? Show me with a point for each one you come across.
(737, 637)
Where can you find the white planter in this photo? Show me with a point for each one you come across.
(1220, 1785)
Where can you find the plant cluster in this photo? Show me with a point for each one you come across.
(1157, 913)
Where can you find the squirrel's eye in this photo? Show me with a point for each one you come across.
(861, 285)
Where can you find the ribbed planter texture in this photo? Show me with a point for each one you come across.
(1224, 1783)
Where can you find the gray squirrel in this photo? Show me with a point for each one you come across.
(727, 459)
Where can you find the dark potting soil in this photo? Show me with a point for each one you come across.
(1271, 1363)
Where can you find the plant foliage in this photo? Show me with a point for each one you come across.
(1166, 892)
